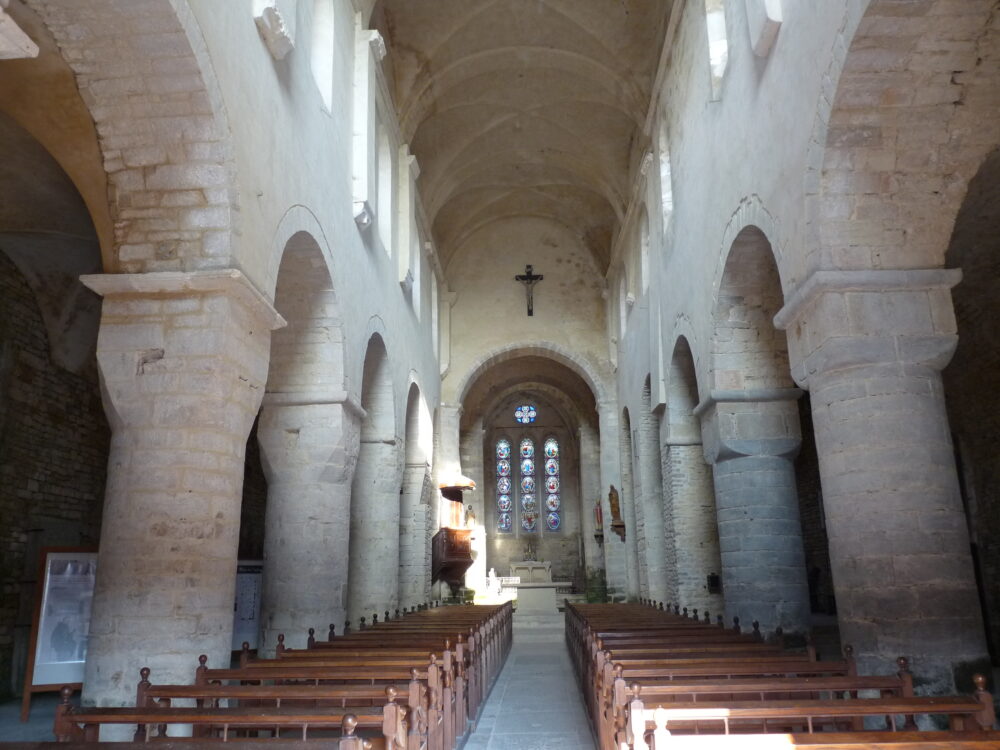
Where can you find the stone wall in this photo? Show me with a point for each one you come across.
(53, 460)
(254, 502)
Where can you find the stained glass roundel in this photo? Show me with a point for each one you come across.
(525, 414)
(503, 485)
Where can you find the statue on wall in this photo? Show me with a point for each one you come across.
(617, 523)
(470, 517)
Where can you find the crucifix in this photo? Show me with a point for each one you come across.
(529, 278)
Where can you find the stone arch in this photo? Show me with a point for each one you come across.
(415, 499)
(308, 445)
(747, 350)
(751, 415)
(547, 349)
(631, 510)
(168, 163)
(688, 485)
(374, 549)
(307, 357)
(909, 121)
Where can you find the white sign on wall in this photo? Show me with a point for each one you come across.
(246, 609)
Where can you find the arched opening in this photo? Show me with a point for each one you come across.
(691, 493)
(529, 438)
(971, 396)
(753, 414)
(666, 177)
(416, 500)
(634, 532)
(374, 566)
(54, 437)
(307, 447)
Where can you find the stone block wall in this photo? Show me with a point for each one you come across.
(53, 461)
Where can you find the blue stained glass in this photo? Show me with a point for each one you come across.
(529, 521)
(503, 468)
(505, 522)
(551, 448)
(503, 502)
(527, 449)
(528, 503)
(503, 485)
(503, 449)
(525, 414)
(552, 484)
(552, 502)
(552, 466)
(553, 521)
(527, 467)
(527, 484)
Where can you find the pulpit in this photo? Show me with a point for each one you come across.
(451, 547)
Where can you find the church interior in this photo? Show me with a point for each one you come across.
(551, 337)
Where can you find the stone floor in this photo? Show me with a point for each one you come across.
(38, 727)
(535, 703)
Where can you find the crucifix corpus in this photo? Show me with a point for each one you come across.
(529, 278)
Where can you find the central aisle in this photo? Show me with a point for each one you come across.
(535, 703)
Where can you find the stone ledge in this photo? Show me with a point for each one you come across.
(229, 281)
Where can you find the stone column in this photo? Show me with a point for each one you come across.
(647, 451)
(590, 492)
(308, 451)
(626, 492)
(183, 364)
(870, 346)
(696, 533)
(374, 542)
(752, 438)
(614, 548)
(414, 519)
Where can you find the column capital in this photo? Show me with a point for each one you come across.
(349, 402)
(844, 319)
(754, 422)
(229, 281)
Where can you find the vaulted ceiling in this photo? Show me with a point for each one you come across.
(523, 107)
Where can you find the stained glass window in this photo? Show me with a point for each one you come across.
(505, 510)
(553, 498)
(529, 506)
(525, 414)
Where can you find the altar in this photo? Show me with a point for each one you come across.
(536, 591)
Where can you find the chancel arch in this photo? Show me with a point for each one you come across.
(531, 428)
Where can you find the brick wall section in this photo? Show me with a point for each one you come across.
(53, 446)
(162, 129)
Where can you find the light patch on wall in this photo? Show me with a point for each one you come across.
(718, 44)
(321, 50)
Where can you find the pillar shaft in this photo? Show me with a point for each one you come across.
(614, 548)
(309, 453)
(651, 483)
(695, 529)
(870, 346)
(374, 544)
(415, 535)
(183, 363)
(752, 440)
(590, 492)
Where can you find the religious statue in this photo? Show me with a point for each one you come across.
(470, 517)
(617, 523)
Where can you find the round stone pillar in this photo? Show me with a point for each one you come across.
(614, 547)
(870, 346)
(696, 533)
(183, 363)
(308, 452)
(752, 438)
(374, 544)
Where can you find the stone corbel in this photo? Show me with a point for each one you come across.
(14, 43)
(629, 300)
(363, 215)
(274, 31)
(764, 19)
(377, 44)
(406, 283)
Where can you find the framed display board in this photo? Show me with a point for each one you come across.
(59, 629)
(246, 610)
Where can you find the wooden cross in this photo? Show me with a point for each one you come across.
(529, 278)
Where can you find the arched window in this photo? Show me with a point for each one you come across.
(505, 509)
(529, 505)
(553, 498)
